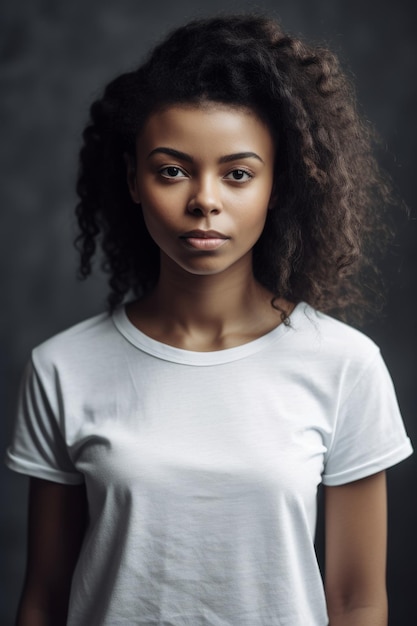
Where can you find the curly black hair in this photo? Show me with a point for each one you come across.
(321, 235)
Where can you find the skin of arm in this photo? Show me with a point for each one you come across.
(56, 526)
(355, 564)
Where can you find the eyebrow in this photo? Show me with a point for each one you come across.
(186, 157)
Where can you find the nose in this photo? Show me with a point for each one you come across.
(205, 199)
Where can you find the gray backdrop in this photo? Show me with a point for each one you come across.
(55, 56)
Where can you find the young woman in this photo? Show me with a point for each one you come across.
(175, 444)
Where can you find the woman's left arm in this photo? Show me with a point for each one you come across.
(355, 565)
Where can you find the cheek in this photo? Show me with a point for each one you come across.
(156, 223)
(253, 215)
(158, 209)
(160, 222)
(256, 226)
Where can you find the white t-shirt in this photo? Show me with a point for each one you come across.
(202, 468)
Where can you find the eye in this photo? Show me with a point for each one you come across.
(239, 175)
(172, 171)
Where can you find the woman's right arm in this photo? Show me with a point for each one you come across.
(56, 527)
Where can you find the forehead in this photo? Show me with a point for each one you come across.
(209, 127)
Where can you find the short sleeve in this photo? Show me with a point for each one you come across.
(38, 446)
(369, 434)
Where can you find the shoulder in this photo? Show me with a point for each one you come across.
(323, 337)
(76, 345)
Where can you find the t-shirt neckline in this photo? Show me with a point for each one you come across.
(189, 357)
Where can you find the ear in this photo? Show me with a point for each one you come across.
(131, 177)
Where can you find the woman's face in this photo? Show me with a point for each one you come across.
(204, 177)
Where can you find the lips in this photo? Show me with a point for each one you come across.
(204, 239)
(204, 234)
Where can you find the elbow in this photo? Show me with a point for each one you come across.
(357, 608)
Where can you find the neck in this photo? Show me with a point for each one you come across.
(206, 312)
(210, 302)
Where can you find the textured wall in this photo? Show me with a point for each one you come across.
(54, 57)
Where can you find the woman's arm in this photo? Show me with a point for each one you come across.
(355, 566)
(57, 518)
